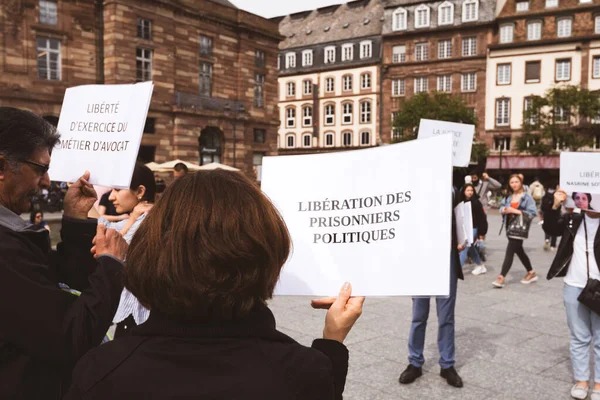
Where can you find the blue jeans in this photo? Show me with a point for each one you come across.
(471, 251)
(445, 312)
(584, 325)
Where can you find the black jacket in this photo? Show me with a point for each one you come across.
(44, 329)
(566, 225)
(479, 218)
(246, 359)
(454, 250)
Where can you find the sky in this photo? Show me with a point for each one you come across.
(275, 8)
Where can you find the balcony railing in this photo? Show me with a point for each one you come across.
(208, 103)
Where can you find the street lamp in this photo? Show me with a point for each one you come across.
(238, 109)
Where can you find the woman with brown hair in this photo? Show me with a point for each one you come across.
(205, 262)
(517, 202)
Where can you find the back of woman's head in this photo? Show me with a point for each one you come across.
(143, 176)
(211, 248)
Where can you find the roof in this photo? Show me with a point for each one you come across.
(359, 18)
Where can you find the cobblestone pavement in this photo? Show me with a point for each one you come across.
(512, 343)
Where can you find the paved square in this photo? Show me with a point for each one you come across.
(511, 343)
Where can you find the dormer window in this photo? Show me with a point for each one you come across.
(551, 3)
(347, 52)
(366, 49)
(446, 14)
(307, 58)
(290, 60)
(522, 6)
(329, 54)
(399, 18)
(470, 11)
(422, 14)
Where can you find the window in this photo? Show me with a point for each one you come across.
(502, 112)
(422, 17)
(470, 10)
(206, 45)
(559, 144)
(48, 13)
(563, 70)
(585, 1)
(503, 74)
(206, 79)
(291, 141)
(398, 87)
(347, 139)
(507, 33)
(399, 18)
(329, 114)
(347, 113)
(597, 24)
(290, 117)
(307, 140)
(259, 135)
(551, 3)
(329, 54)
(308, 85)
(259, 90)
(469, 46)
(444, 83)
(365, 81)
(469, 82)
(365, 112)
(307, 114)
(501, 144)
(329, 139)
(366, 49)
(365, 138)
(396, 132)
(329, 85)
(596, 67)
(561, 115)
(534, 30)
(532, 71)
(291, 89)
(527, 104)
(563, 27)
(347, 83)
(144, 29)
(150, 125)
(48, 59)
(421, 84)
(347, 52)
(307, 58)
(399, 54)
(421, 51)
(259, 58)
(522, 6)
(596, 145)
(143, 65)
(446, 13)
(290, 60)
(445, 48)
(257, 160)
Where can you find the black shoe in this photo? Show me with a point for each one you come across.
(410, 374)
(451, 377)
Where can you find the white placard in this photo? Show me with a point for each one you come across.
(461, 231)
(468, 213)
(580, 172)
(101, 128)
(378, 218)
(462, 138)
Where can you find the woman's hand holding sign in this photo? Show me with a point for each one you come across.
(344, 311)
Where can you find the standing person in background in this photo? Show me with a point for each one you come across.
(107, 210)
(536, 190)
(480, 227)
(180, 170)
(483, 186)
(546, 207)
(517, 203)
(578, 256)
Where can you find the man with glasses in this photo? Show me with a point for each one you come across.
(45, 329)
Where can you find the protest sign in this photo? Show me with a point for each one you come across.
(378, 218)
(580, 172)
(464, 223)
(462, 138)
(101, 128)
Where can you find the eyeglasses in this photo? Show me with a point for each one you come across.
(43, 168)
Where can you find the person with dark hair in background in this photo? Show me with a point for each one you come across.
(107, 210)
(37, 218)
(205, 261)
(547, 203)
(46, 329)
(180, 170)
(480, 227)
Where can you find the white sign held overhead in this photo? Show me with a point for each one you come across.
(101, 127)
(462, 138)
(377, 218)
(580, 172)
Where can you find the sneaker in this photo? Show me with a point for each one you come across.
(499, 282)
(547, 245)
(478, 270)
(410, 374)
(581, 393)
(553, 249)
(595, 395)
(451, 377)
(530, 277)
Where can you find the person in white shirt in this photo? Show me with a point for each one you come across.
(580, 235)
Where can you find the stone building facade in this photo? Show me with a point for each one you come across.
(214, 69)
(329, 81)
(435, 46)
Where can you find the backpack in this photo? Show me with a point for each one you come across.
(538, 192)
